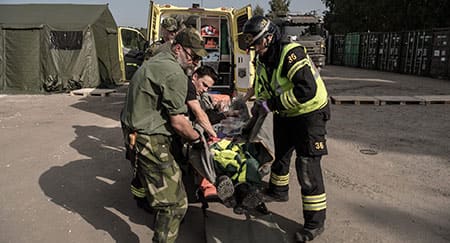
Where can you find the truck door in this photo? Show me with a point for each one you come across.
(131, 53)
(243, 71)
(154, 16)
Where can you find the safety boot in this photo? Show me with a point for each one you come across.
(224, 188)
(307, 234)
(270, 196)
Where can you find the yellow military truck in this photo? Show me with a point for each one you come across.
(221, 30)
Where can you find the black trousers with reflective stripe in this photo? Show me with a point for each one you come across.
(306, 135)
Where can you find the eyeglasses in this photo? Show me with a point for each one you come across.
(193, 56)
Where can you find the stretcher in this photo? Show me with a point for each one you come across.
(255, 134)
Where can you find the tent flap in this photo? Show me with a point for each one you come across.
(22, 59)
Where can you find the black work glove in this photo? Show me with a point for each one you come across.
(260, 107)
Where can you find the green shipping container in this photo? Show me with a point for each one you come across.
(351, 52)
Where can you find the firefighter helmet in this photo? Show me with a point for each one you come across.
(258, 27)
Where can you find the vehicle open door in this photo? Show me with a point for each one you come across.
(244, 71)
(131, 51)
(154, 16)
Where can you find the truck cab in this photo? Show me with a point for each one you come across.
(221, 30)
(307, 30)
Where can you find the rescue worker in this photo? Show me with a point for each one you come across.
(154, 112)
(288, 84)
(202, 79)
(169, 28)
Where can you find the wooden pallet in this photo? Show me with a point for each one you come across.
(435, 99)
(391, 100)
(92, 92)
(354, 100)
(400, 100)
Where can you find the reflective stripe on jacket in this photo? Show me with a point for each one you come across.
(281, 86)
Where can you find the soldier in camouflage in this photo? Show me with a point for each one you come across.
(169, 28)
(154, 112)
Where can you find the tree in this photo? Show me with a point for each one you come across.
(258, 11)
(278, 8)
(345, 16)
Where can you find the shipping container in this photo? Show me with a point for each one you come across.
(440, 57)
(416, 52)
(351, 51)
(369, 49)
(419, 52)
(389, 51)
(337, 49)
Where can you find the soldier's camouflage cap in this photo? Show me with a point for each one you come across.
(170, 24)
(190, 38)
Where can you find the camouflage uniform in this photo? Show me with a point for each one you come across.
(158, 90)
(161, 177)
(171, 25)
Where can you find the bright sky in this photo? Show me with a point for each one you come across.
(134, 12)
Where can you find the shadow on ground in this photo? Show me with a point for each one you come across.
(108, 106)
(97, 188)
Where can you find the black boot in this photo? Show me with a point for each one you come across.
(270, 196)
(308, 234)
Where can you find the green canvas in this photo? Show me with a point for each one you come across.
(57, 48)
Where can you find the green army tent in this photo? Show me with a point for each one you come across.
(57, 47)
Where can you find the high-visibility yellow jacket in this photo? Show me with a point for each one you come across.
(294, 86)
(234, 160)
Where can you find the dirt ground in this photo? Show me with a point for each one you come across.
(63, 175)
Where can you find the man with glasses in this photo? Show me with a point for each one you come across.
(166, 47)
(205, 75)
(154, 112)
(288, 84)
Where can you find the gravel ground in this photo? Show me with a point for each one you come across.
(64, 178)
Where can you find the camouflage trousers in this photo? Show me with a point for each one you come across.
(161, 177)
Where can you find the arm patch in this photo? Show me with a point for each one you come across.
(303, 80)
(292, 57)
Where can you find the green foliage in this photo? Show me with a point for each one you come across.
(258, 11)
(278, 7)
(345, 16)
